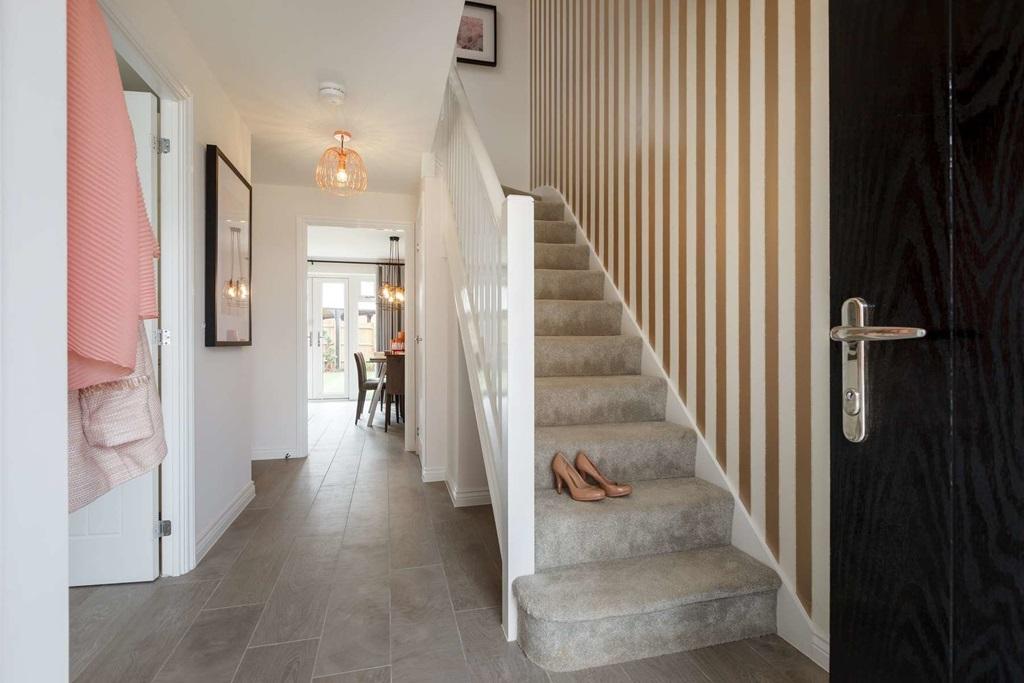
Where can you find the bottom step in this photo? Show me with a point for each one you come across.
(602, 613)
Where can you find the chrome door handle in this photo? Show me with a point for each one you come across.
(854, 334)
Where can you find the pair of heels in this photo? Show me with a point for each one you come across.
(575, 479)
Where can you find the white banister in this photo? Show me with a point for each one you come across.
(489, 241)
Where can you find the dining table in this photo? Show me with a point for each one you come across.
(380, 359)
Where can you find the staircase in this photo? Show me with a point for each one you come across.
(623, 578)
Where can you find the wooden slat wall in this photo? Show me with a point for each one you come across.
(690, 139)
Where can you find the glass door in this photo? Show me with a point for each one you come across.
(328, 338)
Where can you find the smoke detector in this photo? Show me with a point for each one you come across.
(332, 93)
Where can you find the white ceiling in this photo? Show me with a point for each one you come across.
(270, 56)
(358, 244)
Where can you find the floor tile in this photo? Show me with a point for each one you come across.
(679, 666)
(97, 615)
(436, 666)
(285, 663)
(356, 632)
(489, 655)
(735, 661)
(149, 636)
(788, 660)
(421, 613)
(251, 578)
(602, 674)
(296, 607)
(379, 675)
(473, 579)
(212, 647)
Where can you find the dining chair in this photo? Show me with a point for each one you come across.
(365, 384)
(395, 390)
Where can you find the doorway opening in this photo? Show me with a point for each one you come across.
(348, 327)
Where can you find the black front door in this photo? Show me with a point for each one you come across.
(927, 227)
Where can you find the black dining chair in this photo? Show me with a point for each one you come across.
(365, 384)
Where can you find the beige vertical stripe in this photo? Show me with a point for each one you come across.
(771, 273)
(802, 331)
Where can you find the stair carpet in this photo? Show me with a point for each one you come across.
(634, 577)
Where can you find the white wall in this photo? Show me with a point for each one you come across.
(276, 210)
(500, 96)
(33, 344)
(223, 382)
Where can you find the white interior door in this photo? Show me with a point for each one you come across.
(114, 538)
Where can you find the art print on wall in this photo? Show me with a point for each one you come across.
(228, 253)
(477, 41)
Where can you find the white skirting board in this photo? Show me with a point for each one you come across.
(276, 453)
(430, 474)
(792, 621)
(464, 498)
(213, 534)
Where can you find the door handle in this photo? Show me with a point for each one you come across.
(855, 334)
(852, 333)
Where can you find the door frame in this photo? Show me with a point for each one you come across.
(177, 283)
(302, 224)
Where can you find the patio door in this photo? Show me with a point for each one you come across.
(329, 338)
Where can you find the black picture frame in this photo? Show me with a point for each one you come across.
(218, 334)
(493, 10)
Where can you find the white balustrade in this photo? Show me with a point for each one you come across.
(490, 253)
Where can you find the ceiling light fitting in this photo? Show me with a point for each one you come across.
(341, 171)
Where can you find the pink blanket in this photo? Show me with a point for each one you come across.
(110, 241)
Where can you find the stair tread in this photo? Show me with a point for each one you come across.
(616, 431)
(599, 381)
(569, 356)
(641, 585)
(677, 492)
(660, 516)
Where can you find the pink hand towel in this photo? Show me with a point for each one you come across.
(110, 240)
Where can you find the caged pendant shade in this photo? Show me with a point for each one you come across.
(341, 171)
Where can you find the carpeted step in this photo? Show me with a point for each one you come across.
(578, 285)
(660, 516)
(599, 400)
(630, 451)
(609, 612)
(548, 211)
(554, 317)
(554, 232)
(561, 256)
(587, 356)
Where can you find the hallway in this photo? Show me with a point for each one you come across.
(348, 569)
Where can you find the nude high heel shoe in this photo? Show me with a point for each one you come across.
(566, 474)
(587, 468)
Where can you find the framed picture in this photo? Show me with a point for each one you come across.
(228, 253)
(477, 42)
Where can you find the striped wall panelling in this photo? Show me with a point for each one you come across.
(690, 139)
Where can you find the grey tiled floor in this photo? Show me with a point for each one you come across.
(347, 569)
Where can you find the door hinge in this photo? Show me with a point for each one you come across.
(417, 431)
(163, 145)
(162, 337)
(163, 528)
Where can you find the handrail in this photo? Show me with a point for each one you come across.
(489, 242)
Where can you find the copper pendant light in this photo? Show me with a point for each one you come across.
(341, 171)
